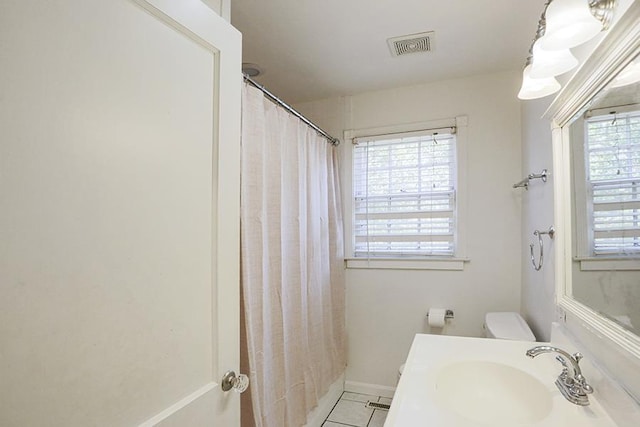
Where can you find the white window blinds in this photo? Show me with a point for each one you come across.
(405, 194)
(613, 180)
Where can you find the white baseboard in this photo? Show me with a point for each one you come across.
(326, 404)
(372, 389)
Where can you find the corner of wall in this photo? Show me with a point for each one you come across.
(538, 287)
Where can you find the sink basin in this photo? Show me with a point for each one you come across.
(492, 393)
(477, 382)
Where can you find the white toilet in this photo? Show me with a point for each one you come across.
(507, 326)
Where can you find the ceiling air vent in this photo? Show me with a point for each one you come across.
(413, 43)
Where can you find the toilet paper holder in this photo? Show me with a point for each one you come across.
(448, 314)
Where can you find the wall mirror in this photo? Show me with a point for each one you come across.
(604, 175)
(596, 138)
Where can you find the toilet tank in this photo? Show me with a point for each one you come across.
(507, 326)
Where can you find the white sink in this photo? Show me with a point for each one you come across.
(492, 393)
(474, 382)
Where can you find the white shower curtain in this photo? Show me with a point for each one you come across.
(292, 264)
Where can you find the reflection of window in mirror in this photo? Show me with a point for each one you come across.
(606, 177)
(612, 172)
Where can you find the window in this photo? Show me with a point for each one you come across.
(612, 160)
(404, 194)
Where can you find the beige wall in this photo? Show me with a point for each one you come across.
(385, 308)
(538, 287)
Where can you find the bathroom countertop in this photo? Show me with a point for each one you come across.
(419, 400)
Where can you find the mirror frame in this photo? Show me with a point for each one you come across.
(616, 50)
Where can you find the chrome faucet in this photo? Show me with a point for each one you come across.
(572, 385)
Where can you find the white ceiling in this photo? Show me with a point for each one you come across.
(312, 50)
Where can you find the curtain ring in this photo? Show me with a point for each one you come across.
(533, 258)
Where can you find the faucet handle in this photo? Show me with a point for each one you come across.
(577, 356)
(582, 383)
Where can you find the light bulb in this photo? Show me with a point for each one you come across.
(536, 88)
(549, 63)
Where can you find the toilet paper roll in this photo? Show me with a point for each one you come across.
(436, 317)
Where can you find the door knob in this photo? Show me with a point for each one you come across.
(238, 383)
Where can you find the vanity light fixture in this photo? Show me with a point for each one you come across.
(536, 88)
(564, 24)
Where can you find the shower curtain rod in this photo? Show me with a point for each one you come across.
(272, 97)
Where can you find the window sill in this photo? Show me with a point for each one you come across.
(606, 264)
(454, 264)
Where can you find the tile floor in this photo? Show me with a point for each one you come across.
(351, 411)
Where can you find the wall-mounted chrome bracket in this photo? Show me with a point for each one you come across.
(525, 182)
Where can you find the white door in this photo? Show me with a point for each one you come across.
(119, 207)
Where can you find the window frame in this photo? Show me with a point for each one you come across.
(423, 262)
